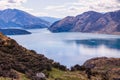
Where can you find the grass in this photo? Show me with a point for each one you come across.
(57, 74)
(66, 75)
(21, 77)
(2, 78)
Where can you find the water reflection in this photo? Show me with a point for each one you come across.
(72, 52)
(92, 43)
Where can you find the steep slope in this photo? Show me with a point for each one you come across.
(63, 25)
(85, 21)
(110, 23)
(18, 18)
(15, 59)
(90, 22)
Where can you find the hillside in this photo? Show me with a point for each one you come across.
(19, 63)
(15, 60)
(14, 31)
(17, 18)
(93, 22)
(108, 68)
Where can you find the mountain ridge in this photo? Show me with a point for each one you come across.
(18, 18)
(107, 23)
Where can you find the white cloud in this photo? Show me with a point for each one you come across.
(38, 13)
(62, 9)
(16, 1)
(11, 4)
(17, 4)
(82, 6)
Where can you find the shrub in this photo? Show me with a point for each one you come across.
(78, 67)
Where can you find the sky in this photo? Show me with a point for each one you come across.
(60, 8)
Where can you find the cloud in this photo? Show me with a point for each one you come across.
(81, 6)
(17, 4)
(104, 6)
(11, 1)
(4, 4)
(118, 1)
(11, 4)
(16, 1)
(66, 8)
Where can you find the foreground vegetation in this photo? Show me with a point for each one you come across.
(15, 58)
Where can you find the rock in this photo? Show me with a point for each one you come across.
(108, 68)
(40, 75)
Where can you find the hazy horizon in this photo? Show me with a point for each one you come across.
(62, 8)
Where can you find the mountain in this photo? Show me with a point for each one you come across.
(18, 18)
(50, 19)
(108, 23)
(14, 31)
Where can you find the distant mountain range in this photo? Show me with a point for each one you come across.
(17, 18)
(50, 19)
(108, 23)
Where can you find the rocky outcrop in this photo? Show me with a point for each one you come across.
(107, 68)
(108, 23)
(102, 62)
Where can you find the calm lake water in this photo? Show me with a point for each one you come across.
(70, 48)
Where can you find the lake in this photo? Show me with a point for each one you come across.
(70, 48)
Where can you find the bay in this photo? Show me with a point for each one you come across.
(70, 48)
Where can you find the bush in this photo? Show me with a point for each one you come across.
(58, 66)
(78, 67)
